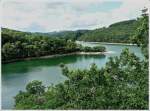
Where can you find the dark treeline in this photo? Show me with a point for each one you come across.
(19, 45)
(121, 84)
(92, 49)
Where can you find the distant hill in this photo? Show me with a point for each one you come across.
(69, 34)
(74, 35)
(117, 32)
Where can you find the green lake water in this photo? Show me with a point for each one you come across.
(15, 76)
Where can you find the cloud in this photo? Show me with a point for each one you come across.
(55, 15)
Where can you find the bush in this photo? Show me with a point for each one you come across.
(35, 87)
(93, 49)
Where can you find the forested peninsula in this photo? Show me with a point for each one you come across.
(18, 45)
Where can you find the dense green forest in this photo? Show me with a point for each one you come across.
(121, 84)
(17, 45)
(118, 32)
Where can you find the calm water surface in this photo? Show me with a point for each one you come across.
(16, 75)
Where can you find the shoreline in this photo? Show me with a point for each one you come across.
(57, 55)
(72, 53)
(109, 43)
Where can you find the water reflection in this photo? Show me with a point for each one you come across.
(27, 66)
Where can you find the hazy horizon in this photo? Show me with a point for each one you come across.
(63, 30)
(62, 15)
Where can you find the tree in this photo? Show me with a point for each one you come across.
(35, 87)
(141, 35)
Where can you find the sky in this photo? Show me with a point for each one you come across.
(58, 15)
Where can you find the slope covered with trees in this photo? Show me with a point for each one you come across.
(121, 84)
(72, 35)
(118, 32)
(17, 45)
